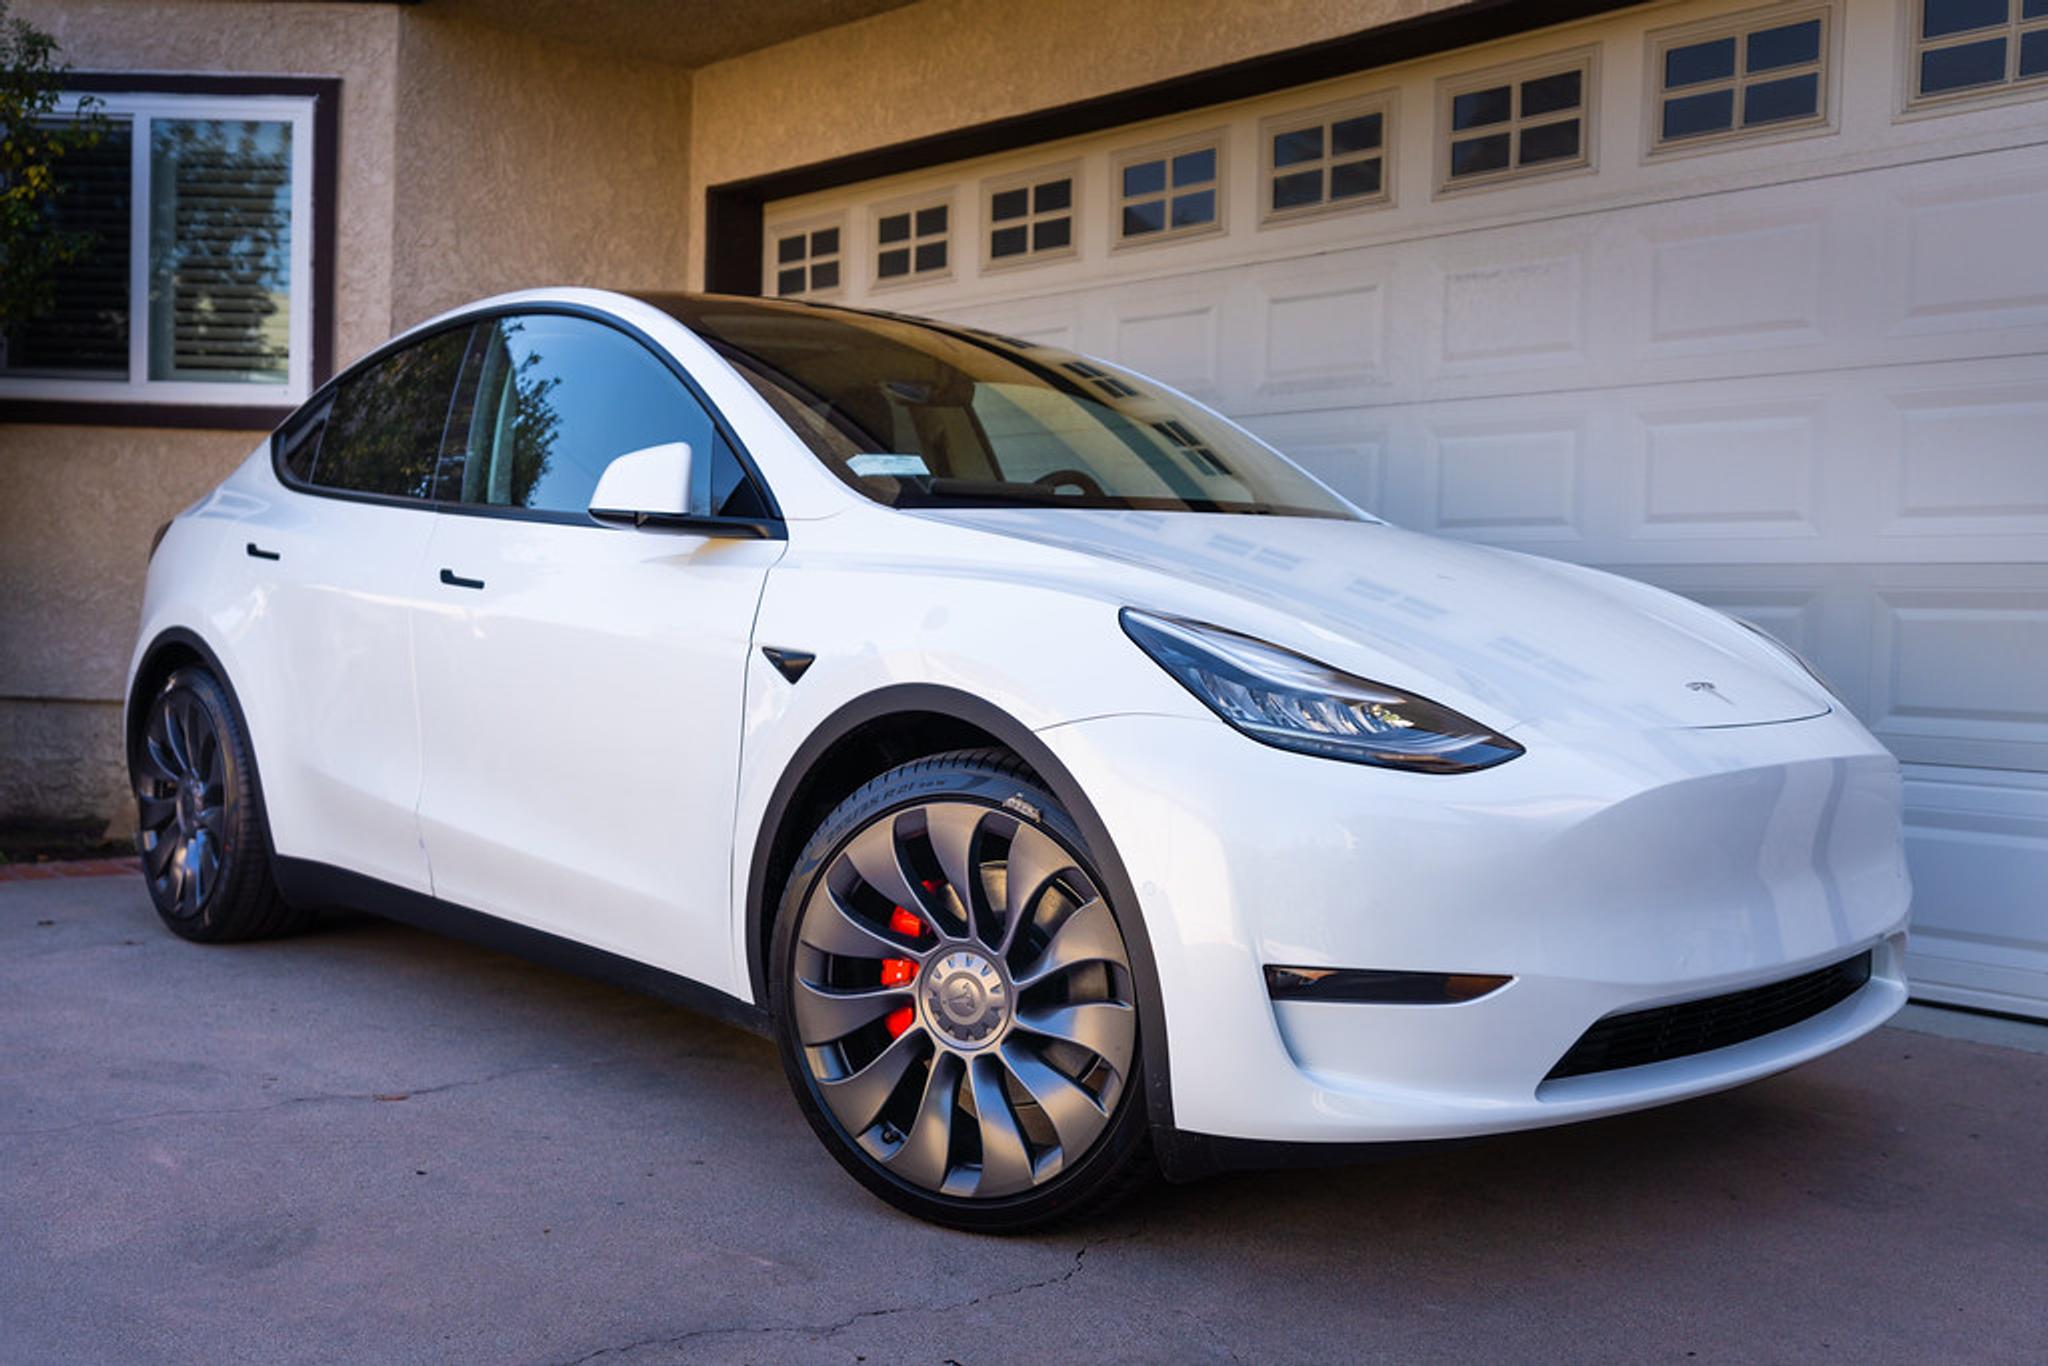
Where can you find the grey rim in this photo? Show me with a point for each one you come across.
(181, 794)
(985, 1054)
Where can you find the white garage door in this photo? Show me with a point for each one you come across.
(1796, 369)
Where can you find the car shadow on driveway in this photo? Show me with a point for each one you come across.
(371, 1142)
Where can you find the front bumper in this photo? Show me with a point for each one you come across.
(1604, 873)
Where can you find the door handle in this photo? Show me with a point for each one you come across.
(455, 580)
(257, 552)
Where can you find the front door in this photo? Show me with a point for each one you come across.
(580, 685)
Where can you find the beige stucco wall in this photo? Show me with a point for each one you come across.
(471, 160)
(78, 504)
(523, 161)
(946, 64)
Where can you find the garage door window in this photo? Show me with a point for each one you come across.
(1324, 159)
(806, 260)
(1757, 76)
(1030, 217)
(1170, 193)
(1506, 124)
(1963, 48)
(911, 242)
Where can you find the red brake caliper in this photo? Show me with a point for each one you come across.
(898, 972)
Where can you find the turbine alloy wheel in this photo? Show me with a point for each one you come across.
(963, 999)
(181, 794)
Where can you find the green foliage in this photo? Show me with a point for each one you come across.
(34, 242)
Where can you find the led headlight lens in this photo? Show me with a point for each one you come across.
(1287, 700)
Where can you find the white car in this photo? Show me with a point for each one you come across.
(1074, 787)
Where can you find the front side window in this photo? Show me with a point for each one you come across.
(917, 414)
(911, 243)
(201, 297)
(1324, 160)
(1965, 48)
(546, 402)
(1529, 120)
(1170, 194)
(1754, 75)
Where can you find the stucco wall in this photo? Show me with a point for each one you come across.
(947, 64)
(471, 160)
(523, 161)
(78, 504)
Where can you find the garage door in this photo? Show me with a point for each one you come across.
(1751, 304)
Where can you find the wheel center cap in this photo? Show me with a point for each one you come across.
(965, 998)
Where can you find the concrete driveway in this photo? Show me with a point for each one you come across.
(371, 1144)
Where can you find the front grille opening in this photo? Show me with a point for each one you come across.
(1679, 1031)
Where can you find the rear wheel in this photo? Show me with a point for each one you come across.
(957, 1010)
(201, 831)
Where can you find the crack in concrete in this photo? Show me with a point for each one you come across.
(384, 1096)
(823, 1331)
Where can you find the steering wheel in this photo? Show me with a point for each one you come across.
(1080, 479)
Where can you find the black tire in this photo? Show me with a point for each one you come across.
(201, 831)
(1117, 1159)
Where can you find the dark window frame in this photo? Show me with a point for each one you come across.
(325, 93)
(322, 397)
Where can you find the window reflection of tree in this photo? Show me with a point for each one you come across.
(512, 434)
(221, 246)
(374, 441)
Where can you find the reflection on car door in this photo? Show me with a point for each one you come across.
(580, 685)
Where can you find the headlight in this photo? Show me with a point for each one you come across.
(1788, 652)
(1286, 700)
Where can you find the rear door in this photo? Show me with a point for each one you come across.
(581, 684)
(333, 570)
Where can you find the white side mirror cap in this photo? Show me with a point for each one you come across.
(653, 482)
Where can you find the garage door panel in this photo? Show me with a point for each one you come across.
(1959, 673)
(1737, 283)
(1972, 460)
(1319, 331)
(1738, 469)
(1967, 248)
(1977, 846)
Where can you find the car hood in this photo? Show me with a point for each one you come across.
(1513, 638)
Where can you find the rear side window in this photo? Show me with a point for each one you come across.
(384, 429)
(546, 402)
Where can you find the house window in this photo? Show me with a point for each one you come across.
(1963, 48)
(1030, 218)
(195, 283)
(1172, 193)
(806, 260)
(1756, 74)
(1527, 120)
(910, 243)
(1332, 158)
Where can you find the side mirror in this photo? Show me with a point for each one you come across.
(652, 482)
(650, 488)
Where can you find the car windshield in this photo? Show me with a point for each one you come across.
(922, 414)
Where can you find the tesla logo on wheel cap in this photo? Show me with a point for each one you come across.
(965, 997)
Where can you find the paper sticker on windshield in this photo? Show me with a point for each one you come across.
(900, 466)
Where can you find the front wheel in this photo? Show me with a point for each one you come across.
(957, 1010)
